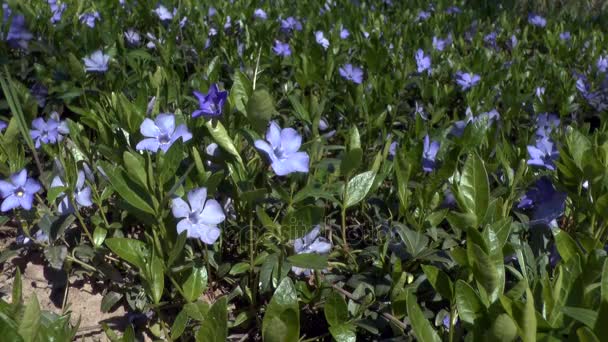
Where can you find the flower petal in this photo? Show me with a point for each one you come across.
(19, 178)
(149, 144)
(299, 161)
(209, 234)
(6, 188)
(11, 202)
(212, 213)
(83, 197)
(32, 186)
(186, 225)
(273, 135)
(26, 201)
(264, 147)
(57, 182)
(197, 198)
(149, 129)
(165, 122)
(290, 140)
(180, 208)
(181, 132)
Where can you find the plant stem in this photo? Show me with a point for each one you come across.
(82, 263)
(80, 220)
(452, 313)
(344, 242)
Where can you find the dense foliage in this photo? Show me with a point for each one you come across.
(275, 170)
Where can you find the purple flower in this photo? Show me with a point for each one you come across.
(537, 20)
(56, 10)
(161, 133)
(210, 104)
(96, 62)
(311, 243)
(466, 80)
(3, 125)
(490, 39)
(211, 12)
(18, 191)
(260, 14)
(545, 124)
(539, 92)
(200, 216)
(547, 203)
(291, 24)
(392, 149)
(89, 18)
(543, 154)
(281, 148)
(40, 92)
(429, 153)
(423, 61)
(453, 10)
(281, 49)
(440, 44)
(565, 36)
(132, 37)
(18, 35)
(352, 73)
(163, 13)
(423, 15)
(321, 40)
(344, 34)
(82, 194)
(48, 132)
(602, 64)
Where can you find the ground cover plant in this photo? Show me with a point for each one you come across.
(309, 170)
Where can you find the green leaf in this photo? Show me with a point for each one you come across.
(240, 91)
(343, 333)
(441, 282)
(281, 322)
(468, 302)
(132, 251)
(336, 311)
(300, 220)
(135, 165)
(215, 325)
(260, 108)
(586, 316)
(196, 283)
(585, 334)
(56, 255)
(358, 187)
(155, 278)
(179, 325)
(421, 326)
(99, 235)
(566, 246)
(109, 300)
(178, 248)
(16, 297)
(415, 242)
(474, 188)
(239, 268)
(54, 192)
(127, 191)
(309, 260)
(503, 329)
(221, 137)
(9, 329)
(600, 327)
(28, 327)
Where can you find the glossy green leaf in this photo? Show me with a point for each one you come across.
(126, 189)
(468, 302)
(196, 283)
(474, 188)
(221, 137)
(260, 108)
(440, 281)
(358, 187)
(309, 260)
(109, 300)
(343, 333)
(215, 325)
(28, 326)
(421, 326)
(281, 321)
(133, 251)
(336, 311)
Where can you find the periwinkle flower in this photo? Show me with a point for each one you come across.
(539, 92)
(321, 40)
(82, 194)
(40, 92)
(546, 202)
(423, 62)
(537, 20)
(351, 73)
(200, 216)
(260, 14)
(344, 34)
(429, 154)
(392, 149)
(490, 39)
(281, 148)
(602, 64)
(565, 36)
(3, 125)
(18, 35)
(163, 13)
(545, 124)
(132, 37)
(467, 80)
(423, 15)
(56, 11)
(291, 24)
(18, 191)
(281, 49)
(228, 23)
(543, 154)
(210, 104)
(161, 133)
(310, 243)
(90, 18)
(48, 132)
(211, 12)
(453, 10)
(440, 44)
(96, 62)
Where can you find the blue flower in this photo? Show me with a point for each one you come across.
(3, 125)
(260, 14)
(423, 62)
(351, 73)
(602, 64)
(291, 24)
(18, 35)
(18, 191)
(48, 132)
(537, 20)
(90, 18)
(164, 14)
(82, 194)
(453, 10)
(467, 80)
(547, 203)
(543, 154)
(344, 34)
(423, 15)
(200, 216)
(56, 10)
(210, 104)
(440, 44)
(281, 148)
(281, 49)
(545, 124)
(565, 36)
(161, 133)
(96, 62)
(310, 243)
(132, 37)
(321, 40)
(40, 92)
(429, 153)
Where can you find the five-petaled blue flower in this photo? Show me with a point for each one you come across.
(467, 80)
(543, 154)
(260, 14)
(537, 20)
(96, 62)
(200, 216)
(352, 73)
(82, 194)
(56, 10)
(291, 24)
(602, 63)
(18, 35)
(423, 62)
(281, 49)
(48, 132)
(440, 44)
(545, 123)
(210, 104)
(163, 13)
(344, 34)
(3, 125)
(429, 153)
(547, 203)
(89, 18)
(310, 243)
(18, 191)
(281, 148)
(132, 37)
(161, 133)
(321, 40)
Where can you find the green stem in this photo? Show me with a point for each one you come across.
(82, 263)
(452, 313)
(80, 220)
(343, 216)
